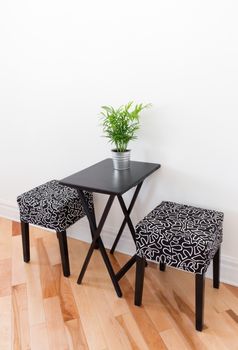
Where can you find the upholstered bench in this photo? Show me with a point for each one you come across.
(184, 237)
(52, 206)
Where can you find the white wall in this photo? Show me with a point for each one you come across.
(61, 60)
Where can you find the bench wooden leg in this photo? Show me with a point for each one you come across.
(25, 241)
(216, 269)
(162, 266)
(199, 300)
(140, 270)
(64, 252)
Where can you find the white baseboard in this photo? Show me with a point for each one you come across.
(9, 211)
(229, 270)
(125, 244)
(229, 265)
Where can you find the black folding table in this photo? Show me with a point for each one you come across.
(102, 178)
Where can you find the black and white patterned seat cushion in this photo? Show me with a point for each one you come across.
(52, 205)
(180, 235)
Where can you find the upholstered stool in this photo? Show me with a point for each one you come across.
(52, 206)
(184, 237)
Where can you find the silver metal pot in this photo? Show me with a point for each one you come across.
(121, 160)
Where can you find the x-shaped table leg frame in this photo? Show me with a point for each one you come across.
(133, 200)
(96, 230)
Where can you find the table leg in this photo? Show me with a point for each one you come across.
(96, 239)
(127, 217)
(128, 220)
(124, 221)
(92, 228)
(109, 268)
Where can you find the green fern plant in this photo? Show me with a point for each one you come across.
(120, 125)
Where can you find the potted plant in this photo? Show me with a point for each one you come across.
(120, 126)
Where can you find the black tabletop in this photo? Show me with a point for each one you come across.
(102, 178)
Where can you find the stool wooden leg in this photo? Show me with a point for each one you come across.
(25, 241)
(140, 269)
(199, 300)
(64, 252)
(216, 269)
(162, 266)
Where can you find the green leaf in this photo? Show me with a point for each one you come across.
(120, 125)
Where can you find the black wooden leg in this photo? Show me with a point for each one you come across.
(199, 300)
(96, 233)
(140, 270)
(162, 266)
(109, 268)
(64, 252)
(91, 228)
(25, 241)
(216, 269)
(127, 217)
(133, 200)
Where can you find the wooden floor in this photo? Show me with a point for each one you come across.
(41, 309)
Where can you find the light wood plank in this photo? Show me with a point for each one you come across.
(145, 324)
(229, 297)
(5, 322)
(210, 340)
(51, 245)
(75, 335)
(90, 322)
(16, 228)
(233, 315)
(132, 331)
(55, 324)
(124, 333)
(64, 291)
(5, 277)
(172, 340)
(39, 337)
(88, 315)
(232, 289)
(34, 290)
(213, 294)
(46, 274)
(223, 327)
(18, 265)
(37, 232)
(5, 239)
(116, 338)
(20, 320)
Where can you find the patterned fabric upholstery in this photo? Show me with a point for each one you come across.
(179, 235)
(52, 205)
